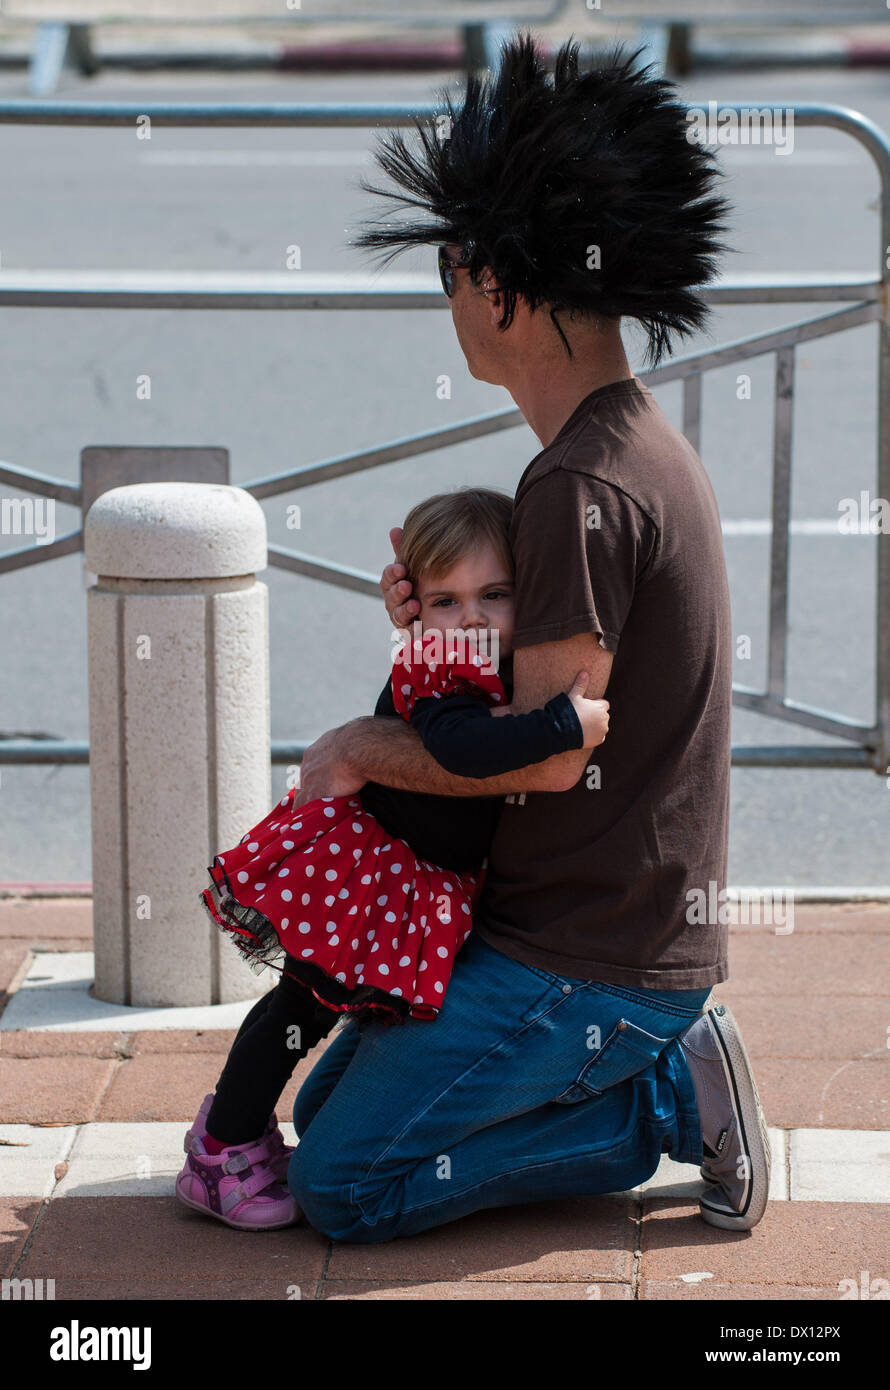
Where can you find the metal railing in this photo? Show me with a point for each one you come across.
(862, 746)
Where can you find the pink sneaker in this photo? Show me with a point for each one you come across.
(282, 1152)
(241, 1186)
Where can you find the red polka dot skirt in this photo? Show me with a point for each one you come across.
(325, 894)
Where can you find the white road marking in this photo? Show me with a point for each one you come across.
(762, 526)
(255, 158)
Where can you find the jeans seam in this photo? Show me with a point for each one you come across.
(615, 1039)
(497, 1177)
(549, 978)
(368, 1172)
(561, 998)
(658, 1006)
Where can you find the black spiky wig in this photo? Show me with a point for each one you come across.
(531, 174)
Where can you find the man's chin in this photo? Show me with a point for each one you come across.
(481, 373)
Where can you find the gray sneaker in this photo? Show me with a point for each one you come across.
(735, 1143)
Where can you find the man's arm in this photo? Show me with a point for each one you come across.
(389, 751)
(541, 671)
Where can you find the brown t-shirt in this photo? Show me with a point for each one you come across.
(616, 531)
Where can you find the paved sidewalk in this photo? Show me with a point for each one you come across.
(93, 1111)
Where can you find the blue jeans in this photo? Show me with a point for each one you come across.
(527, 1086)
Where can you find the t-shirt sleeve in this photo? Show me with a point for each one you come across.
(580, 546)
(465, 738)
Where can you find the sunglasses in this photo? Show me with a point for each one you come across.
(446, 270)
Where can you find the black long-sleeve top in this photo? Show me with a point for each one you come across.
(464, 737)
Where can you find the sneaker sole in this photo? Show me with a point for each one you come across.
(752, 1128)
(236, 1225)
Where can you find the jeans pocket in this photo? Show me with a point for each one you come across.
(627, 1050)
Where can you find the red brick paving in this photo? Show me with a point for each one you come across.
(838, 917)
(17, 1216)
(203, 1289)
(160, 1087)
(825, 1094)
(23, 1044)
(171, 1086)
(13, 955)
(811, 964)
(807, 1028)
(36, 918)
(14, 958)
(35, 1090)
(339, 1289)
(796, 1243)
(584, 1239)
(181, 1040)
(122, 1239)
(711, 1291)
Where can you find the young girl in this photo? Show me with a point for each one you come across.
(363, 901)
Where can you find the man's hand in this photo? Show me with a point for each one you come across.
(325, 770)
(396, 589)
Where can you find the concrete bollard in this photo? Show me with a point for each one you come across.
(178, 639)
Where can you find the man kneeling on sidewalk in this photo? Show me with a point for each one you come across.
(572, 1049)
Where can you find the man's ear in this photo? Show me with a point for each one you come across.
(495, 298)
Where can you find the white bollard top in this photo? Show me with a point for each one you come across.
(175, 531)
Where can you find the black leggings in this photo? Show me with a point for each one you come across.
(282, 1027)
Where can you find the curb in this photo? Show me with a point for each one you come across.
(46, 890)
(812, 51)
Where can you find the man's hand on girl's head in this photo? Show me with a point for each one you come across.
(396, 589)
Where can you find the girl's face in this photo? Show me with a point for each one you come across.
(475, 595)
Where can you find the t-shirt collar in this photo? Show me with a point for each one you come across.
(612, 388)
(627, 386)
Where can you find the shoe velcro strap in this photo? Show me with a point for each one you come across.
(236, 1164)
(249, 1187)
(259, 1180)
(257, 1152)
(231, 1199)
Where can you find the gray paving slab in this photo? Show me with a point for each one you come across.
(129, 1160)
(29, 1155)
(672, 1179)
(54, 996)
(840, 1165)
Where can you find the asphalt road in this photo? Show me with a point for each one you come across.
(281, 391)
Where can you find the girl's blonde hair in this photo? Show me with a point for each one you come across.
(441, 530)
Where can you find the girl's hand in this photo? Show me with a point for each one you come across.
(593, 714)
(396, 589)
